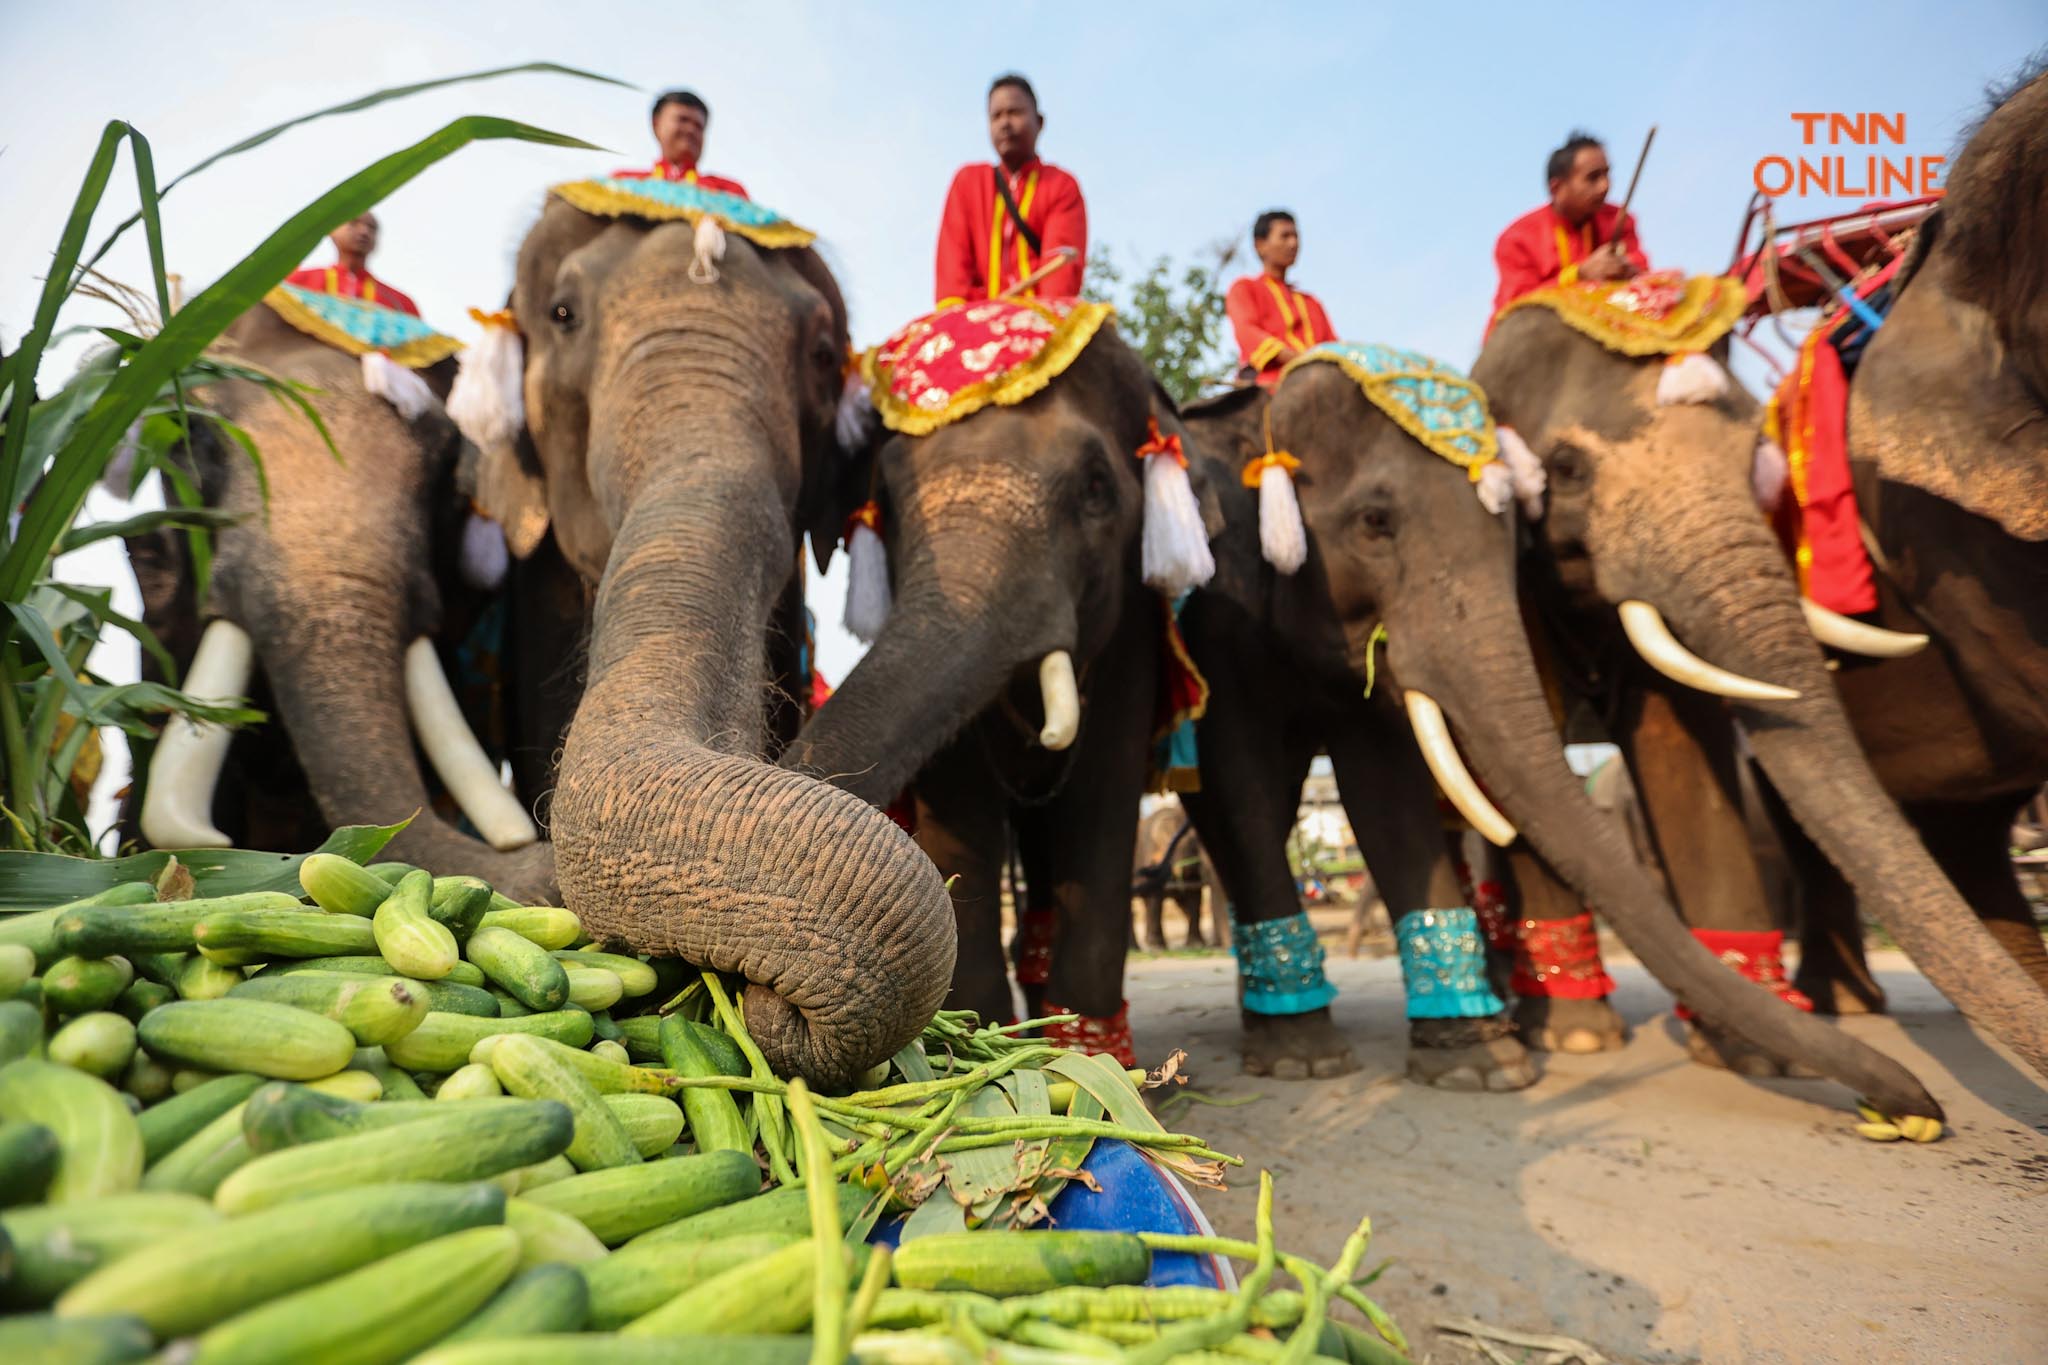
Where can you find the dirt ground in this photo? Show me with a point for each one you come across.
(1656, 1210)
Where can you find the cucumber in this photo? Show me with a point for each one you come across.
(593, 988)
(165, 1126)
(653, 1122)
(443, 1041)
(520, 967)
(97, 930)
(549, 926)
(544, 1298)
(472, 1082)
(408, 936)
(147, 1079)
(140, 998)
(778, 1211)
(99, 1044)
(341, 887)
(189, 1281)
(21, 1031)
(78, 985)
(770, 1295)
(198, 1164)
(459, 903)
(1024, 1263)
(29, 1156)
(509, 1006)
(716, 1124)
(607, 1031)
(607, 1077)
(34, 931)
(462, 974)
(236, 938)
(201, 978)
(100, 1144)
(282, 1115)
(622, 1203)
(385, 1311)
(550, 1236)
(636, 978)
(544, 1173)
(591, 1348)
(528, 1067)
(375, 1009)
(249, 1035)
(389, 873)
(40, 1339)
(638, 1279)
(608, 1050)
(468, 1142)
(57, 1245)
(17, 964)
(398, 1084)
(161, 968)
(724, 1054)
(361, 1086)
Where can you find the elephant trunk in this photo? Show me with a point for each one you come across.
(1495, 701)
(676, 839)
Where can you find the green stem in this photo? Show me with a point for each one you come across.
(774, 1137)
(828, 1293)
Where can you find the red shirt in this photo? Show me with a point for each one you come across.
(1539, 248)
(1274, 323)
(981, 253)
(669, 170)
(339, 279)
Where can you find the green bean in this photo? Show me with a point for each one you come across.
(769, 1105)
(828, 1294)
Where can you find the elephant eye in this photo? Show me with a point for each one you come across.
(1568, 464)
(1377, 520)
(564, 317)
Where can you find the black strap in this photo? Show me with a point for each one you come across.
(1023, 228)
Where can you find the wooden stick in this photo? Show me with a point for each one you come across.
(1060, 257)
(1629, 198)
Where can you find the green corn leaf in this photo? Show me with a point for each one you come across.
(142, 523)
(33, 881)
(100, 602)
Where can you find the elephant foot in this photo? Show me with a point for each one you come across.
(1553, 1024)
(1295, 1047)
(1725, 1052)
(1468, 1054)
(1832, 993)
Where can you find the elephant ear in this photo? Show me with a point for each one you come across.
(511, 492)
(488, 403)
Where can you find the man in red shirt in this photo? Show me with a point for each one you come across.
(350, 276)
(1005, 221)
(1274, 321)
(1574, 236)
(679, 122)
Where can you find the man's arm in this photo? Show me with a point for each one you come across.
(957, 269)
(1630, 247)
(1066, 224)
(1256, 347)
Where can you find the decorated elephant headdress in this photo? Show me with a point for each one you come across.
(391, 344)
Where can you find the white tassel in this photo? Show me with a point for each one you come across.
(1767, 474)
(856, 414)
(1496, 487)
(1282, 538)
(1691, 378)
(485, 557)
(397, 385)
(1176, 547)
(867, 584)
(710, 250)
(488, 400)
(1526, 471)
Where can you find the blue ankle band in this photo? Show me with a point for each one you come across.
(1443, 962)
(1280, 966)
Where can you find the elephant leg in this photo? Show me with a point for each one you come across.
(1190, 903)
(1560, 985)
(1972, 844)
(1459, 1034)
(1680, 747)
(961, 828)
(1155, 921)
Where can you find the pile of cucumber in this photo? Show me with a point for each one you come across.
(403, 1117)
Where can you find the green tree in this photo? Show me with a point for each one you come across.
(1172, 314)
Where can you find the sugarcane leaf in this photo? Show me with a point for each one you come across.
(142, 523)
(1102, 1078)
(912, 1064)
(101, 603)
(33, 881)
(33, 628)
(976, 1174)
(935, 1216)
(133, 707)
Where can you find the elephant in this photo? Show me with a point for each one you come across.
(337, 595)
(1014, 681)
(1397, 540)
(1649, 532)
(679, 392)
(1170, 861)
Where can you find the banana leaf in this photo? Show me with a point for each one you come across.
(35, 881)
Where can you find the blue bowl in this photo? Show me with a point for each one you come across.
(1137, 1195)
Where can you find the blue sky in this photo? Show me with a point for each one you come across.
(1403, 137)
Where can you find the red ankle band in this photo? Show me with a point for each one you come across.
(1756, 955)
(1560, 959)
(1033, 947)
(1111, 1036)
(1489, 901)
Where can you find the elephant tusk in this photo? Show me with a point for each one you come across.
(1062, 701)
(1660, 650)
(1854, 637)
(177, 804)
(457, 757)
(1440, 752)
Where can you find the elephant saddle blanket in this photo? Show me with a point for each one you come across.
(359, 326)
(633, 196)
(959, 359)
(1662, 312)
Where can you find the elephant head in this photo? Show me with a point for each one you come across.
(1398, 539)
(679, 409)
(335, 583)
(1650, 525)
